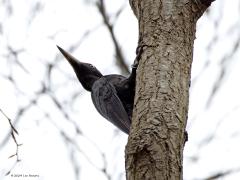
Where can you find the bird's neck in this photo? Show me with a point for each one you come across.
(87, 81)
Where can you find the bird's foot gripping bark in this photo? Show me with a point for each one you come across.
(204, 2)
(185, 136)
(139, 51)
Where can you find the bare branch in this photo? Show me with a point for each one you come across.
(120, 58)
(219, 175)
(13, 132)
(223, 69)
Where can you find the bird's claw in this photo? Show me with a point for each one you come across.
(139, 51)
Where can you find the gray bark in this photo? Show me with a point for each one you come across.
(166, 33)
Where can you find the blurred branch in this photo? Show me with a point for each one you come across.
(19, 114)
(212, 135)
(221, 174)
(70, 141)
(65, 114)
(76, 166)
(223, 68)
(104, 169)
(8, 6)
(14, 54)
(121, 62)
(210, 46)
(35, 10)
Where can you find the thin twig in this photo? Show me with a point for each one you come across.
(13, 132)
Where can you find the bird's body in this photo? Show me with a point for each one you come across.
(125, 88)
(112, 95)
(107, 101)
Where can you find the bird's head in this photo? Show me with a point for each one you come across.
(86, 73)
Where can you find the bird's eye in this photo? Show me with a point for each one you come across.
(92, 66)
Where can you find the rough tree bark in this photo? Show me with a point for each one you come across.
(166, 33)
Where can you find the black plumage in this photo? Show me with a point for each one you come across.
(112, 95)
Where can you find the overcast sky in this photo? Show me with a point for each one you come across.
(70, 140)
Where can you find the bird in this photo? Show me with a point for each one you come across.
(112, 95)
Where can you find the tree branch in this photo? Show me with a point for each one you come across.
(120, 58)
(13, 132)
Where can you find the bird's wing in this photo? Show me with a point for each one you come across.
(106, 101)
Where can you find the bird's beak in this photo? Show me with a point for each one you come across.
(72, 60)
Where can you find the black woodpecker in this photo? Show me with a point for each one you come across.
(112, 95)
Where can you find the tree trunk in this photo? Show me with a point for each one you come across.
(166, 33)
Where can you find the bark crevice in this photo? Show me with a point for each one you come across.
(156, 141)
